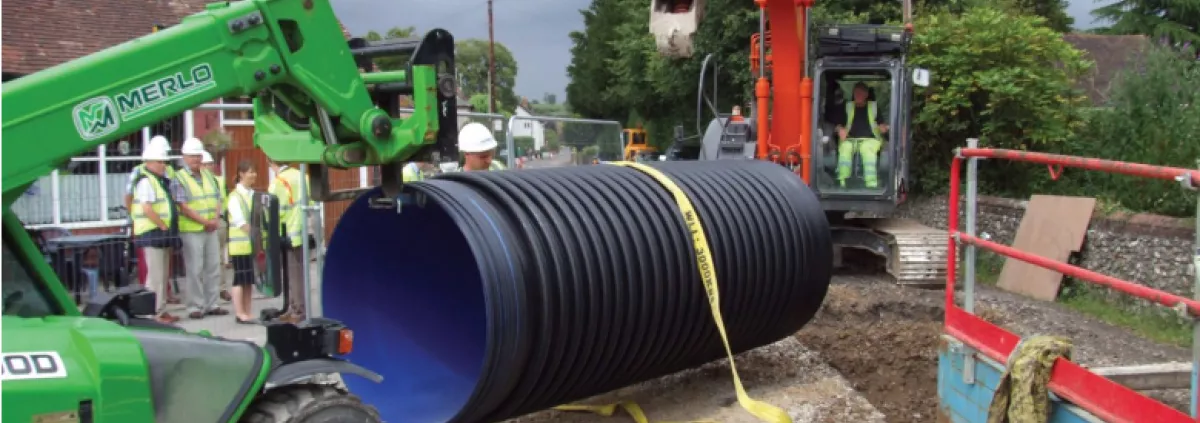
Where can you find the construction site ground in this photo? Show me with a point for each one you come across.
(869, 356)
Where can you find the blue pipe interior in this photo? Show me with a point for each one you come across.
(408, 286)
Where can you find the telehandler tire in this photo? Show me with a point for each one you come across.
(308, 403)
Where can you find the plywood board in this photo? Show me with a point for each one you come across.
(1053, 227)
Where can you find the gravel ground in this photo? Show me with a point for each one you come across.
(784, 374)
(883, 339)
(869, 356)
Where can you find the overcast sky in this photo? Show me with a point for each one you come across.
(535, 30)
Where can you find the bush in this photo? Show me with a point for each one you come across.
(1005, 79)
(1153, 118)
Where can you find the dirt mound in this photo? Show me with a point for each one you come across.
(885, 346)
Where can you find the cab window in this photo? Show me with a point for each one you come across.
(23, 295)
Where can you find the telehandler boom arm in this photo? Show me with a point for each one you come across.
(312, 105)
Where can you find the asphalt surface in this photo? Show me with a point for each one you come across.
(563, 158)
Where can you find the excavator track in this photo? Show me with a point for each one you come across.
(914, 254)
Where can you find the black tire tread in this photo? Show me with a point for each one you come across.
(294, 404)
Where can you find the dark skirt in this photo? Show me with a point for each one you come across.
(243, 270)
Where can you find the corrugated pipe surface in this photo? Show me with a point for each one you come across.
(504, 293)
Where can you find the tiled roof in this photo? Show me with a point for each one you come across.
(38, 34)
(1111, 54)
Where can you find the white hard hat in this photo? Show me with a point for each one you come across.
(159, 141)
(475, 138)
(193, 146)
(155, 153)
(205, 157)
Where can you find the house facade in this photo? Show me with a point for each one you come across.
(83, 194)
(529, 128)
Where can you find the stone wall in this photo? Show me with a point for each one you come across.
(1153, 250)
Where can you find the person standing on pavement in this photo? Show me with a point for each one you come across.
(156, 142)
(286, 187)
(242, 244)
(210, 166)
(155, 223)
(200, 206)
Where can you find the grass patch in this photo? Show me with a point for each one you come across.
(1152, 322)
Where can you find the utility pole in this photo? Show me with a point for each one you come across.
(491, 62)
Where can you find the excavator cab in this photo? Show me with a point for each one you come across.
(861, 134)
(637, 149)
(674, 24)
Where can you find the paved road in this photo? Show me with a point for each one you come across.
(563, 158)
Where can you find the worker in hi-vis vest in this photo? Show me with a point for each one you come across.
(200, 209)
(209, 165)
(478, 147)
(286, 187)
(860, 133)
(246, 238)
(155, 222)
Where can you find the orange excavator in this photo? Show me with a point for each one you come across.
(858, 167)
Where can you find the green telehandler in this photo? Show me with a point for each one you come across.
(312, 104)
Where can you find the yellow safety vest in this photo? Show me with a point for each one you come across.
(871, 111)
(202, 198)
(221, 185)
(292, 216)
(239, 240)
(161, 206)
(412, 172)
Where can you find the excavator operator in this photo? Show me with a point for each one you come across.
(860, 132)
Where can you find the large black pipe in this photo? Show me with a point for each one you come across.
(504, 293)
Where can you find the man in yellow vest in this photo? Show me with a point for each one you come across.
(478, 145)
(860, 133)
(157, 142)
(155, 222)
(286, 187)
(210, 166)
(200, 209)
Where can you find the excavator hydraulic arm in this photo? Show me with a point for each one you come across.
(311, 103)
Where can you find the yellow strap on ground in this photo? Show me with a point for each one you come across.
(708, 275)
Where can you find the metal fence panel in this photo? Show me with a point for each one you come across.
(543, 141)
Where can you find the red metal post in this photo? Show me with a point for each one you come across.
(1131, 288)
(951, 255)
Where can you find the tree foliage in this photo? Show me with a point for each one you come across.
(1175, 20)
(1007, 80)
(1154, 118)
(471, 59)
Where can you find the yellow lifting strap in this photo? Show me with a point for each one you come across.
(1023, 394)
(708, 275)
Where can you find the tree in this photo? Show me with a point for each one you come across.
(1177, 21)
(471, 61)
(1154, 116)
(1005, 79)
(550, 98)
(1055, 12)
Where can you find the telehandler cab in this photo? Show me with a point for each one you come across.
(311, 105)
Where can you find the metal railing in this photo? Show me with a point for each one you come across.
(1098, 395)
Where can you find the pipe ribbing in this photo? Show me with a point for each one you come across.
(505, 293)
